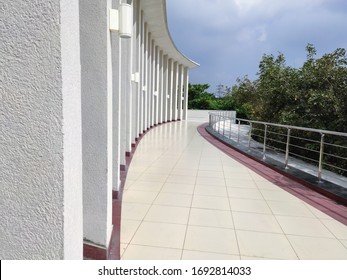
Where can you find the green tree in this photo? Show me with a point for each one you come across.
(199, 98)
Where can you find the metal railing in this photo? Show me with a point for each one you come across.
(323, 149)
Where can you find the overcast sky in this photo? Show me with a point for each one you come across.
(228, 37)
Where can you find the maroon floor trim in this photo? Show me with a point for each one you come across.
(320, 202)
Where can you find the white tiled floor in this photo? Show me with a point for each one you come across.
(185, 199)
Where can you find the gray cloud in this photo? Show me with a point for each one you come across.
(229, 37)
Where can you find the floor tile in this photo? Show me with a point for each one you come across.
(210, 202)
(163, 170)
(173, 199)
(256, 222)
(128, 229)
(178, 188)
(210, 167)
(128, 183)
(309, 248)
(290, 208)
(265, 185)
(303, 226)
(237, 176)
(265, 245)
(153, 177)
(181, 179)
(253, 258)
(210, 190)
(336, 228)
(138, 252)
(122, 248)
(184, 172)
(212, 174)
(213, 240)
(277, 195)
(249, 205)
(160, 235)
(236, 168)
(243, 184)
(133, 196)
(146, 186)
(211, 181)
(210, 218)
(168, 214)
(196, 255)
(134, 211)
(244, 193)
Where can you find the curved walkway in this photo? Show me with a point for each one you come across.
(186, 199)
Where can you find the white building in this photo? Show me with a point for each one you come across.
(80, 82)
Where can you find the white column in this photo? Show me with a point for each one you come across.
(149, 81)
(185, 93)
(170, 89)
(145, 87)
(142, 76)
(116, 103)
(160, 87)
(125, 77)
(165, 87)
(129, 99)
(72, 131)
(40, 124)
(180, 92)
(174, 91)
(155, 84)
(97, 120)
(135, 72)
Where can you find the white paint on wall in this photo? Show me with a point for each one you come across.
(31, 131)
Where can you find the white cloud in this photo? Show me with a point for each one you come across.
(229, 37)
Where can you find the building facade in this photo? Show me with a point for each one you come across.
(80, 82)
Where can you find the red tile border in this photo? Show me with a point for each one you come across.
(288, 183)
(93, 252)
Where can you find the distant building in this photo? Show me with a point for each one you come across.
(80, 81)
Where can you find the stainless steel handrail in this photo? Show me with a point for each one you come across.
(287, 136)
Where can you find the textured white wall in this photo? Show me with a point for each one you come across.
(31, 131)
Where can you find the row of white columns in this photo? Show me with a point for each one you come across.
(161, 90)
(129, 86)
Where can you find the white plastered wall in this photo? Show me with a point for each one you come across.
(39, 122)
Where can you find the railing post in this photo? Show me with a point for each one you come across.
(214, 122)
(250, 136)
(230, 123)
(264, 145)
(223, 126)
(219, 123)
(287, 150)
(321, 153)
(238, 131)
